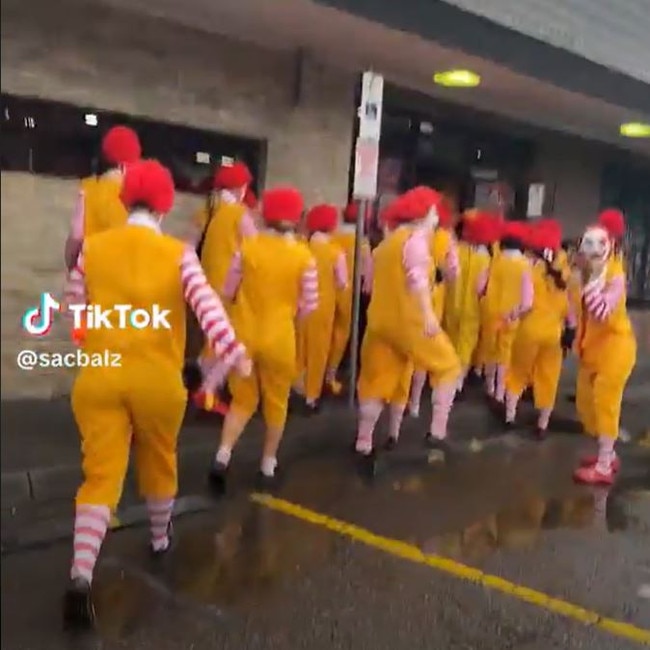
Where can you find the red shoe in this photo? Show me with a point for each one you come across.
(592, 476)
(590, 461)
(210, 403)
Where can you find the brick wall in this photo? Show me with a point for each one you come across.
(97, 57)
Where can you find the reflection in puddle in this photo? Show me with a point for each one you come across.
(519, 527)
(213, 566)
(247, 558)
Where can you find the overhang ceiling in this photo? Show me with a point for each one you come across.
(405, 59)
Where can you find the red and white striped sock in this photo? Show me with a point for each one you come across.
(442, 400)
(369, 412)
(417, 386)
(395, 420)
(90, 526)
(512, 401)
(160, 514)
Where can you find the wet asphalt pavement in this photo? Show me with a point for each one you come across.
(243, 576)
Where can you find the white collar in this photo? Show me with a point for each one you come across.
(512, 252)
(144, 218)
(348, 227)
(320, 236)
(481, 248)
(228, 197)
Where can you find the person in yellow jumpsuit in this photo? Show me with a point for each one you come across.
(544, 333)
(98, 205)
(402, 329)
(131, 392)
(508, 296)
(345, 237)
(219, 228)
(463, 306)
(606, 350)
(445, 268)
(315, 331)
(272, 278)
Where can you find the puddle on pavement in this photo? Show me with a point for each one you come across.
(217, 567)
(524, 523)
(239, 556)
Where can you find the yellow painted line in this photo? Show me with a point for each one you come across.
(412, 553)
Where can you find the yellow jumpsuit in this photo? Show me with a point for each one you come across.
(143, 401)
(441, 243)
(462, 313)
(343, 318)
(537, 353)
(222, 241)
(502, 298)
(315, 330)
(607, 355)
(103, 208)
(394, 340)
(263, 316)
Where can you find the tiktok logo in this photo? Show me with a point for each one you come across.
(38, 320)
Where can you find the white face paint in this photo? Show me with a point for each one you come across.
(548, 254)
(595, 246)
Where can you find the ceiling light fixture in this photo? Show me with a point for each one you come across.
(457, 79)
(635, 130)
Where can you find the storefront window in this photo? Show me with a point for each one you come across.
(57, 139)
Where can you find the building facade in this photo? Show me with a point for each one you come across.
(293, 97)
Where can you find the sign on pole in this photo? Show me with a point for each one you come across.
(366, 166)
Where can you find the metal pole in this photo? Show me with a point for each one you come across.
(356, 304)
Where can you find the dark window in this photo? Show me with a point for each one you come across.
(628, 188)
(57, 139)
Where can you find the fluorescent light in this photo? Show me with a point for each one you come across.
(457, 79)
(635, 130)
(91, 119)
(227, 160)
(203, 157)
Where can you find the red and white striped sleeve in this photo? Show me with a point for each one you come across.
(308, 290)
(209, 310)
(341, 271)
(76, 234)
(416, 259)
(452, 261)
(233, 277)
(74, 291)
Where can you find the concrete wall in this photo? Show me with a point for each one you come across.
(573, 171)
(614, 34)
(116, 61)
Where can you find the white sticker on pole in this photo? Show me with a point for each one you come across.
(372, 95)
(366, 166)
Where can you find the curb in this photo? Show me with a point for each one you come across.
(43, 484)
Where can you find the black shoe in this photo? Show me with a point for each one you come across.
(78, 608)
(390, 443)
(310, 409)
(367, 464)
(540, 434)
(267, 484)
(509, 425)
(438, 444)
(217, 478)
